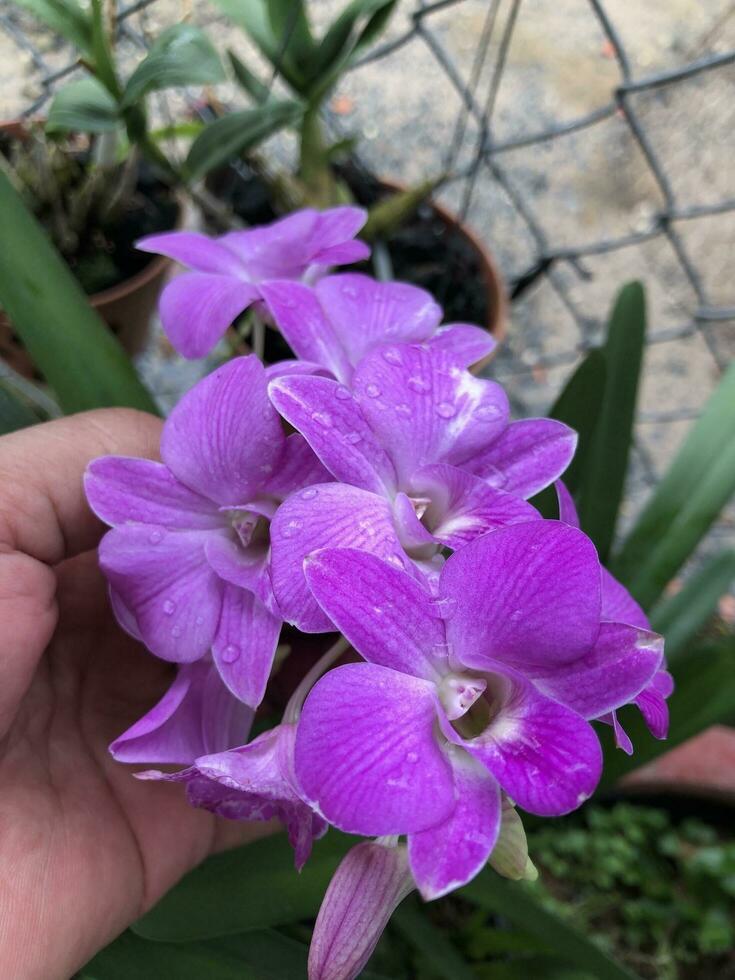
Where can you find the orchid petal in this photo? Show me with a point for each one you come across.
(415, 538)
(122, 490)
(527, 457)
(197, 715)
(371, 881)
(619, 666)
(245, 644)
(297, 468)
(447, 856)
(197, 251)
(567, 508)
(425, 409)
(524, 595)
(164, 580)
(329, 515)
(224, 438)
(330, 420)
(247, 568)
(465, 343)
(196, 309)
(387, 616)
(367, 757)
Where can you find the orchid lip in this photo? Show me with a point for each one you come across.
(458, 693)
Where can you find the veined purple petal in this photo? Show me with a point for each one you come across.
(197, 251)
(196, 716)
(544, 755)
(387, 616)
(299, 316)
(368, 885)
(244, 644)
(123, 490)
(224, 438)
(415, 538)
(196, 309)
(247, 568)
(365, 313)
(425, 409)
(467, 344)
(297, 468)
(447, 856)
(463, 506)
(331, 422)
(343, 254)
(652, 703)
(329, 515)
(527, 595)
(337, 226)
(528, 456)
(367, 757)
(164, 580)
(619, 666)
(567, 509)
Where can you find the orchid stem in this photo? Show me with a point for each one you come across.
(296, 701)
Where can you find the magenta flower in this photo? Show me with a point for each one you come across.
(618, 605)
(335, 324)
(424, 457)
(188, 556)
(489, 685)
(229, 272)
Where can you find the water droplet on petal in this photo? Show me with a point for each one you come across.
(487, 412)
(392, 356)
(288, 302)
(199, 620)
(420, 385)
(176, 632)
(230, 653)
(403, 409)
(155, 537)
(288, 530)
(352, 438)
(169, 607)
(412, 757)
(309, 493)
(342, 393)
(372, 391)
(323, 418)
(349, 291)
(445, 410)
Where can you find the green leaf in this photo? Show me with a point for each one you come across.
(518, 904)
(15, 412)
(359, 24)
(607, 462)
(445, 960)
(686, 501)
(247, 80)
(682, 616)
(704, 695)
(182, 55)
(81, 360)
(265, 955)
(64, 17)
(294, 44)
(253, 17)
(253, 887)
(228, 137)
(579, 406)
(84, 106)
(103, 64)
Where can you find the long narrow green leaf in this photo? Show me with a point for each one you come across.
(64, 17)
(181, 55)
(682, 616)
(358, 25)
(247, 81)
(294, 43)
(83, 106)
(667, 555)
(228, 137)
(15, 413)
(708, 438)
(432, 943)
(252, 16)
(80, 358)
(517, 903)
(102, 60)
(607, 464)
(579, 406)
(254, 887)
(704, 695)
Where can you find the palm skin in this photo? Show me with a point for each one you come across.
(84, 847)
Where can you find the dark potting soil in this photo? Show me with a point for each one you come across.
(425, 251)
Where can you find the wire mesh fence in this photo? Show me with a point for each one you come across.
(580, 159)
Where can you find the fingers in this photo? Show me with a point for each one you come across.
(43, 512)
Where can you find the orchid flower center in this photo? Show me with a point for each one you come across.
(484, 698)
(252, 529)
(458, 693)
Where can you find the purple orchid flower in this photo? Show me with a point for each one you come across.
(424, 456)
(489, 685)
(229, 272)
(618, 605)
(188, 556)
(335, 324)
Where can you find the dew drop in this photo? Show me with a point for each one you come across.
(169, 607)
(412, 757)
(349, 291)
(487, 412)
(352, 438)
(392, 356)
(176, 632)
(445, 410)
(290, 529)
(323, 418)
(342, 393)
(420, 385)
(230, 653)
(155, 537)
(309, 493)
(372, 391)
(199, 620)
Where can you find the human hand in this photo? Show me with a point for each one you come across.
(84, 848)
